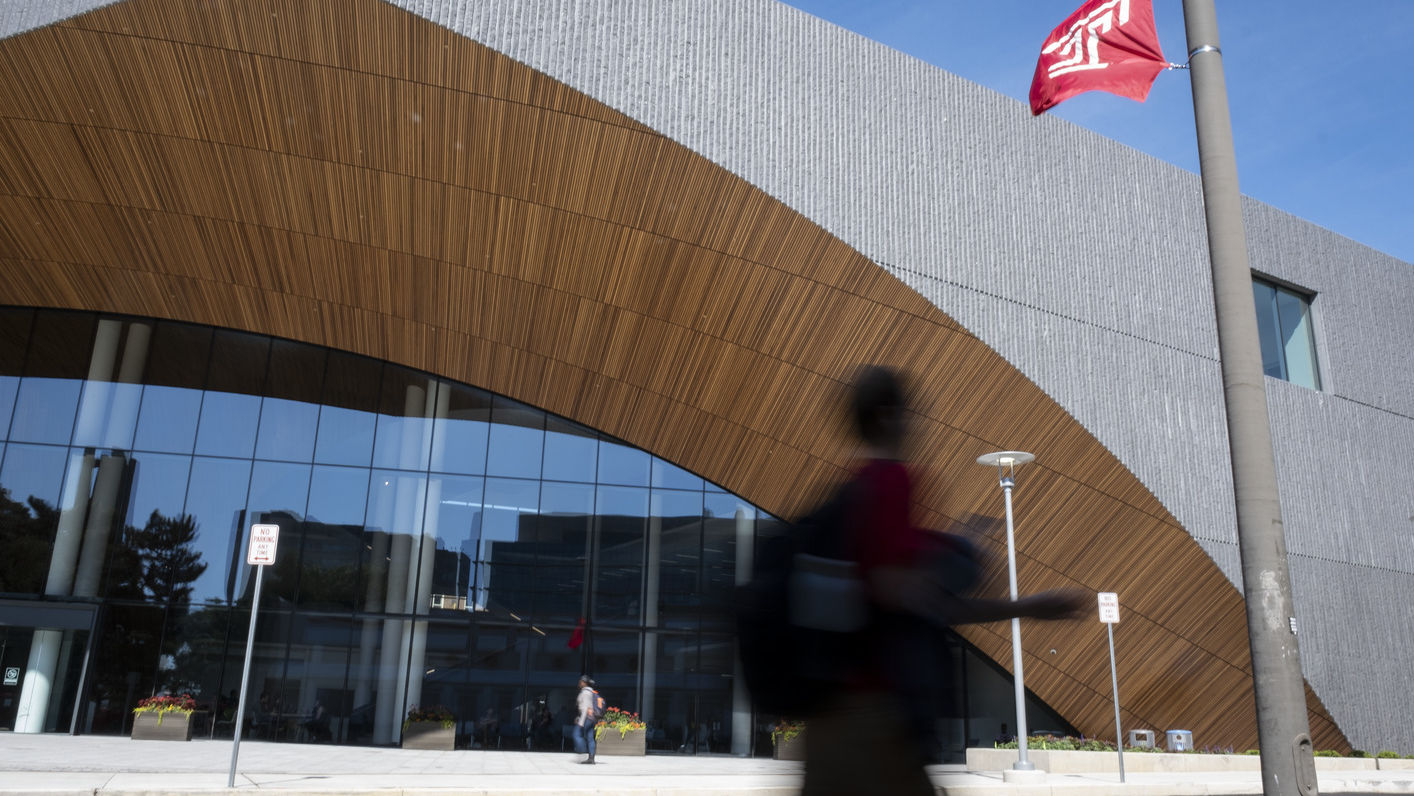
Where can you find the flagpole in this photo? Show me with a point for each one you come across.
(1283, 729)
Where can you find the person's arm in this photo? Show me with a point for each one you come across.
(912, 591)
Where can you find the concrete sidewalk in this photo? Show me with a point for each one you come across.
(108, 766)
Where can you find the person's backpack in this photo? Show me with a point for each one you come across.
(596, 705)
(799, 615)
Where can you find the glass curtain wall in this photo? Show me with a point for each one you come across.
(439, 545)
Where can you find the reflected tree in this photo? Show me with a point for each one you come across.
(26, 529)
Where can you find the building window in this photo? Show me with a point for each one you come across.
(1284, 326)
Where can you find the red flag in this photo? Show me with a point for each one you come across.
(577, 637)
(1106, 45)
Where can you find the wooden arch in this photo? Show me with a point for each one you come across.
(350, 175)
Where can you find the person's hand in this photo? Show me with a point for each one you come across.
(1057, 604)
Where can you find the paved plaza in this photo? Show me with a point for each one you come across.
(111, 766)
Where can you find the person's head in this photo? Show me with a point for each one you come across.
(879, 404)
(585, 681)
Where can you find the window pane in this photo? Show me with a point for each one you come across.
(571, 451)
(227, 424)
(506, 561)
(167, 420)
(216, 498)
(350, 402)
(404, 437)
(317, 705)
(667, 475)
(1299, 346)
(333, 539)
(459, 439)
(61, 345)
(178, 356)
(278, 494)
(108, 405)
(562, 551)
(454, 519)
(396, 506)
(623, 521)
(345, 437)
(238, 362)
(1268, 330)
(159, 488)
(14, 339)
(517, 439)
(9, 385)
(620, 464)
(286, 430)
(44, 410)
(30, 481)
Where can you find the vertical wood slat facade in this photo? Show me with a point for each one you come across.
(349, 175)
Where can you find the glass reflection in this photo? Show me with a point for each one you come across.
(9, 385)
(517, 440)
(286, 430)
(216, 498)
(455, 539)
(459, 437)
(29, 513)
(167, 419)
(44, 410)
(620, 464)
(571, 451)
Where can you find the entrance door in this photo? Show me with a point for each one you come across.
(44, 655)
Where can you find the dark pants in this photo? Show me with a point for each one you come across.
(584, 739)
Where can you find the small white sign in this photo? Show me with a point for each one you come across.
(263, 541)
(1109, 607)
(12, 675)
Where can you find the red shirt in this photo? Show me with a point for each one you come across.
(884, 536)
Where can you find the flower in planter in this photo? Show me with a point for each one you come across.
(786, 731)
(618, 719)
(162, 704)
(436, 713)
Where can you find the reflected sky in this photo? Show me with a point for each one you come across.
(366, 462)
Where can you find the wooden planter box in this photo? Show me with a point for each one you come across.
(634, 742)
(174, 725)
(430, 735)
(794, 749)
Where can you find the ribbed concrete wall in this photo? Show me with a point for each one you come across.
(1081, 261)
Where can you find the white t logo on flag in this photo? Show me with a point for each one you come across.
(1105, 45)
(1081, 44)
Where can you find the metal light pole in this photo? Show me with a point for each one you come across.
(1006, 463)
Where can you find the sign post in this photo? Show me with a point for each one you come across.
(263, 541)
(1109, 614)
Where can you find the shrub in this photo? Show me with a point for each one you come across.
(437, 713)
(1253, 752)
(786, 731)
(1387, 754)
(618, 719)
(1326, 753)
(166, 703)
(1359, 753)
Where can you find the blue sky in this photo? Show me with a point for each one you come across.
(1321, 93)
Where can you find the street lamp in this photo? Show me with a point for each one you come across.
(1006, 463)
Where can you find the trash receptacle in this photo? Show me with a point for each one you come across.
(1179, 741)
(1141, 739)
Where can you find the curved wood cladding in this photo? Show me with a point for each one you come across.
(349, 175)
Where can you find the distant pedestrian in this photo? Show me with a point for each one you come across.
(585, 721)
